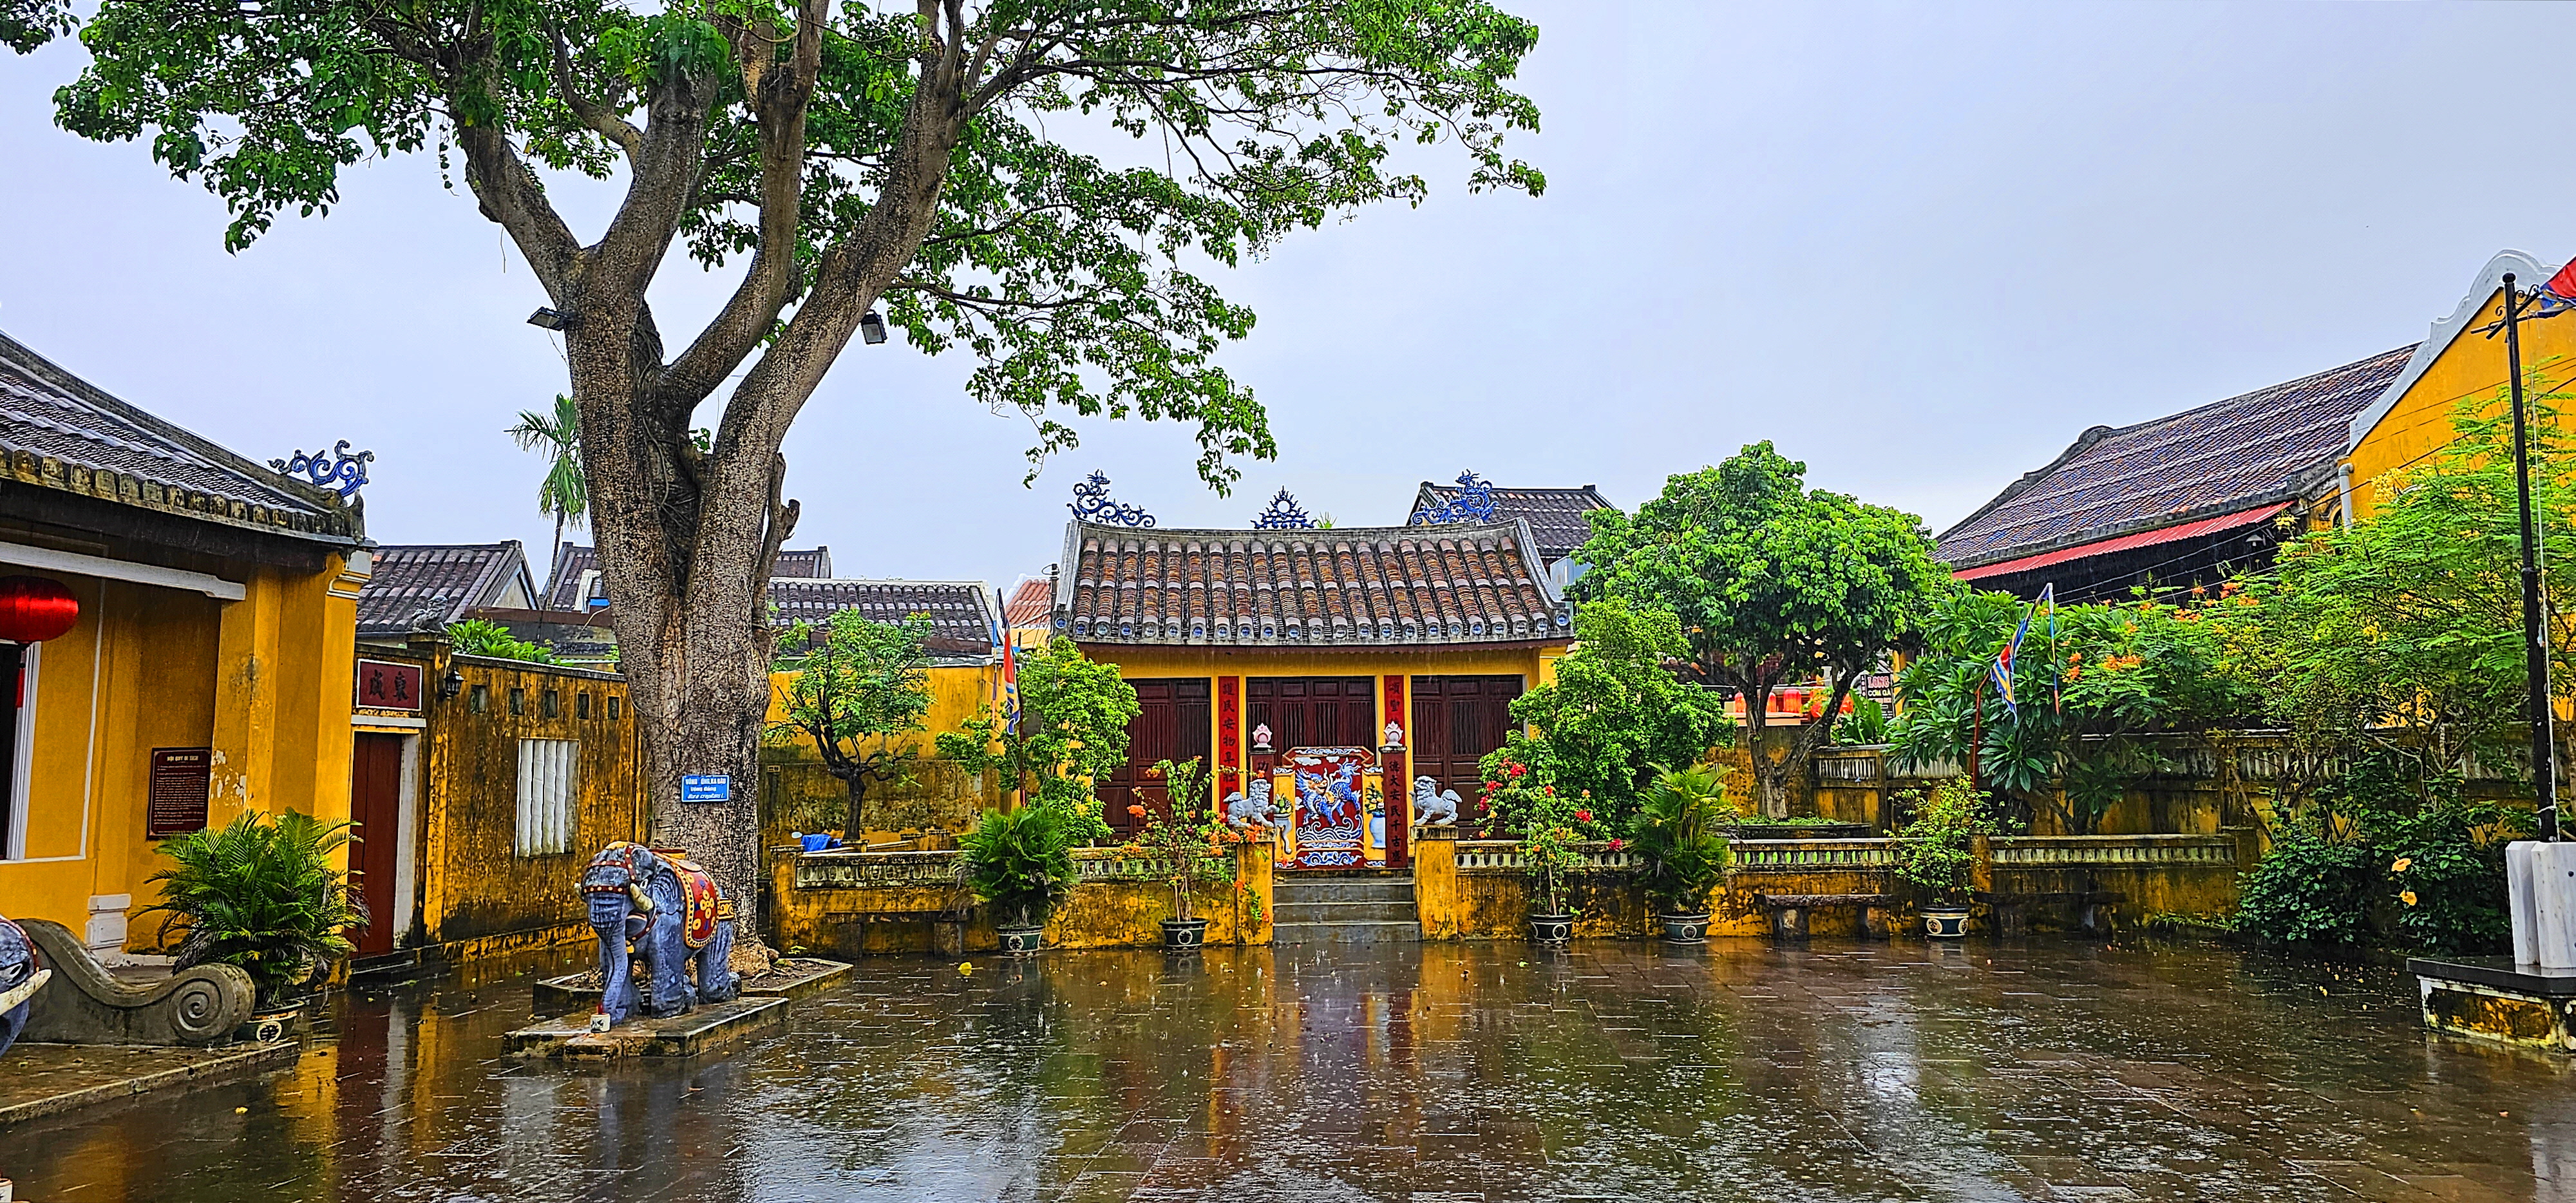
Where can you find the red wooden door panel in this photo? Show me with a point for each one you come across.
(375, 802)
(1172, 723)
(1456, 721)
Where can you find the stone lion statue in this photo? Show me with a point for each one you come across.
(1434, 809)
(1256, 810)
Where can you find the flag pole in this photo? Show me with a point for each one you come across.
(2535, 644)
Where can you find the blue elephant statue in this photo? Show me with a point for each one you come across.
(20, 978)
(671, 912)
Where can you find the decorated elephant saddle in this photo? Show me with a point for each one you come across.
(699, 903)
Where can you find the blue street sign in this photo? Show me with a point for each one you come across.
(706, 788)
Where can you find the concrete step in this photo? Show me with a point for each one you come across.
(1343, 889)
(1346, 933)
(1368, 911)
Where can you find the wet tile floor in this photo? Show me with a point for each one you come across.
(2047, 1070)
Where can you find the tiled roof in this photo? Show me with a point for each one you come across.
(1346, 586)
(1556, 516)
(58, 431)
(1030, 601)
(564, 591)
(2229, 455)
(962, 615)
(443, 580)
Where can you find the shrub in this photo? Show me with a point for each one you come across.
(260, 893)
(477, 637)
(2391, 855)
(1937, 849)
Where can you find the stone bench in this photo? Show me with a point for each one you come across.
(2012, 907)
(1788, 913)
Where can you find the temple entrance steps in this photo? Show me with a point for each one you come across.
(1363, 907)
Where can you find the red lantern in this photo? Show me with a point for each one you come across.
(34, 609)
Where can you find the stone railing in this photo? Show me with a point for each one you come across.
(850, 869)
(1811, 856)
(1112, 864)
(2092, 851)
(1504, 856)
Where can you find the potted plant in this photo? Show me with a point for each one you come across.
(1180, 840)
(1553, 830)
(1680, 833)
(260, 894)
(1020, 861)
(1936, 853)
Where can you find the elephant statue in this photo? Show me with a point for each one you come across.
(671, 912)
(1244, 813)
(20, 978)
(1434, 809)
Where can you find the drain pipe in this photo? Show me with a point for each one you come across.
(2343, 477)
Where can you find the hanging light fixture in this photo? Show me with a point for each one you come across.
(34, 609)
(872, 328)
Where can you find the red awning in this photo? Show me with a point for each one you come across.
(2085, 551)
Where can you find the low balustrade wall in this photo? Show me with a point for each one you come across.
(852, 902)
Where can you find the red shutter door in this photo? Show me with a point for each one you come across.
(1172, 723)
(1315, 712)
(1456, 721)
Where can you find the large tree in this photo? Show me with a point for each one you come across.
(1772, 582)
(938, 163)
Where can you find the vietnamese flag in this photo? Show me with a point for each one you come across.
(2563, 285)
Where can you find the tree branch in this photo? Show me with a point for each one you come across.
(508, 194)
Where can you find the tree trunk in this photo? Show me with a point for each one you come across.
(858, 783)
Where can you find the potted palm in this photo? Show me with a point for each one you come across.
(1680, 832)
(1936, 853)
(1179, 841)
(1020, 861)
(261, 894)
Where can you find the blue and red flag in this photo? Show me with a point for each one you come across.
(2002, 672)
(2559, 294)
(1010, 685)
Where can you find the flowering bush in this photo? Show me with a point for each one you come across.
(1552, 847)
(1184, 835)
(1937, 849)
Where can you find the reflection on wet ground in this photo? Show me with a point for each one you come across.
(2052, 1070)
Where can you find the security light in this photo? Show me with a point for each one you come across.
(872, 328)
(547, 318)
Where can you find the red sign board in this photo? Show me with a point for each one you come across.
(388, 685)
(177, 802)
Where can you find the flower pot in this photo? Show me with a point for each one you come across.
(272, 1024)
(1945, 922)
(1684, 929)
(1551, 929)
(1022, 941)
(1180, 934)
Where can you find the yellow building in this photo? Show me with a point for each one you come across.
(2411, 419)
(1395, 649)
(208, 670)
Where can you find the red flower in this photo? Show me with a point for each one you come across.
(1136, 811)
(1583, 816)
(1551, 791)
(1616, 843)
(1519, 769)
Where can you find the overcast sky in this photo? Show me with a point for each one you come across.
(1920, 247)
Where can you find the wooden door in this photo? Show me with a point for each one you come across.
(375, 802)
(1456, 720)
(1172, 723)
(1314, 712)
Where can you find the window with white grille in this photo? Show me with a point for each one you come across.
(545, 796)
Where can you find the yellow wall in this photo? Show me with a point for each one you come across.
(799, 795)
(2471, 367)
(476, 894)
(264, 681)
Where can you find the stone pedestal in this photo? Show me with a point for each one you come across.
(1436, 901)
(679, 1036)
(2540, 886)
(2496, 1000)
